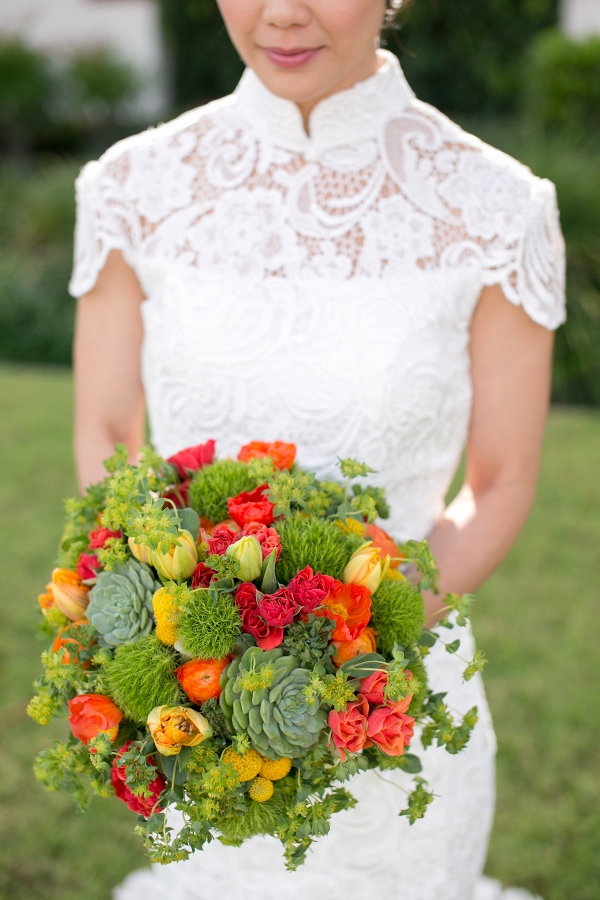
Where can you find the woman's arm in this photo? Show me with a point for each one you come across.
(109, 398)
(511, 359)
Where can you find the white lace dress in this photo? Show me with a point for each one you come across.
(320, 290)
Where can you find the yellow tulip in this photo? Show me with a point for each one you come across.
(365, 567)
(141, 552)
(70, 595)
(247, 551)
(180, 562)
(174, 727)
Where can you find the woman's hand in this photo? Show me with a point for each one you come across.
(109, 398)
(511, 361)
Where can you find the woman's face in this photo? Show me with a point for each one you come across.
(304, 50)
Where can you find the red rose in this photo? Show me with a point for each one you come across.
(202, 576)
(221, 539)
(268, 538)
(100, 536)
(349, 727)
(87, 565)
(193, 458)
(278, 609)
(282, 454)
(251, 506)
(267, 636)
(310, 590)
(144, 806)
(91, 714)
(372, 689)
(245, 596)
(391, 730)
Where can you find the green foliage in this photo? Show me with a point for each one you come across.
(291, 491)
(418, 801)
(309, 641)
(259, 818)
(213, 485)
(139, 771)
(397, 614)
(68, 767)
(400, 684)
(416, 665)
(142, 676)
(209, 623)
(155, 525)
(120, 607)
(24, 90)
(352, 468)
(80, 518)
(442, 727)
(335, 691)
(101, 84)
(562, 85)
(377, 495)
(311, 541)
(420, 553)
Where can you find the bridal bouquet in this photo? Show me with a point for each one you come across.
(236, 640)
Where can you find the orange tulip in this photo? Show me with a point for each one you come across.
(70, 595)
(346, 650)
(201, 678)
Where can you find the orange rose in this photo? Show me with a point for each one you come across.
(385, 543)
(346, 650)
(70, 595)
(350, 606)
(282, 454)
(200, 678)
(93, 714)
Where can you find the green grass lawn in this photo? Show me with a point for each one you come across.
(537, 620)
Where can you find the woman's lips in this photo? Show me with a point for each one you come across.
(290, 59)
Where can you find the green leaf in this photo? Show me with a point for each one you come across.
(268, 579)
(190, 521)
(351, 468)
(453, 647)
(363, 666)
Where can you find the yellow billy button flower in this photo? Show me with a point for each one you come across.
(166, 613)
(366, 568)
(247, 766)
(141, 552)
(247, 552)
(180, 562)
(174, 727)
(261, 789)
(274, 769)
(70, 595)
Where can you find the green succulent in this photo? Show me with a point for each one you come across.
(120, 607)
(264, 697)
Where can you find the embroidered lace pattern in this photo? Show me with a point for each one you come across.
(320, 290)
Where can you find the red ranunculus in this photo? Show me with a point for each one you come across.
(202, 576)
(245, 596)
(391, 730)
(193, 458)
(100, 536)
(91, 714)
(251, 506)
(267, 636)
(282, 454)
(278, 609)
(144, 806)
(87, 565)
(372, 688)
(268, 538)
(310, 590)
(350, 606)
(221, 538)
(349, 727)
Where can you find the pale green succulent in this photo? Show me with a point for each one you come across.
(264, 697)
(120, 607)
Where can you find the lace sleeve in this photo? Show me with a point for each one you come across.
(105, 221)
(532, 274)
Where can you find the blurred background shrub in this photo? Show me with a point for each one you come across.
(501, 68)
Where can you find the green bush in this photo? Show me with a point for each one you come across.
(100, 85)
(562, 86)
(25, 88)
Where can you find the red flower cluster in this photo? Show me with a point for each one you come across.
(144, 806)
(372, 720)
(251, 506)
(221, 539)
(310, 590)
(202, 577)
(265, 619)
(268, 538)
(191, 459)
(100, 536)
(87, 566)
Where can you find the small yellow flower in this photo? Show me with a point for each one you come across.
(166, 613)
(274, 769)
(351, 526)
(247, 766)
(261, 789)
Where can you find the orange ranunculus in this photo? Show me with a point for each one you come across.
(70, 595)
(385, 543)
(350, 606)
(174, 727)
(92, 714)
(71, 648)
(200, 678)
(346, 650)
(282, 454)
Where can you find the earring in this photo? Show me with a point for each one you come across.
(396, 4)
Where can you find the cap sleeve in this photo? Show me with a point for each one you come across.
(532, 273)
(105, 220)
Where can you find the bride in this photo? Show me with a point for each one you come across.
(321, 258)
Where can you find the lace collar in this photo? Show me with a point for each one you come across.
(346, 118)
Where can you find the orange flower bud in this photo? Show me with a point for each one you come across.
(366, 567)
(70, 595)
(346, 650)
(174, 727)
(386, 544)
(93, 714)
(201, 678)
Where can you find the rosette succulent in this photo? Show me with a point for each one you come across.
(264, 697)
(120, 607)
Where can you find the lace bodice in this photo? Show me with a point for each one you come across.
(320, 289)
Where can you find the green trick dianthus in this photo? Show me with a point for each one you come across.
(259, 818)
(209, 624)
(213, 485)
(314, 542)
(417, 667)
(142, 676)
(397, 614)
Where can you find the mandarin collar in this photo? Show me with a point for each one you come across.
(345, 118)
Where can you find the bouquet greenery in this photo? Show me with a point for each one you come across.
(236, 640)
